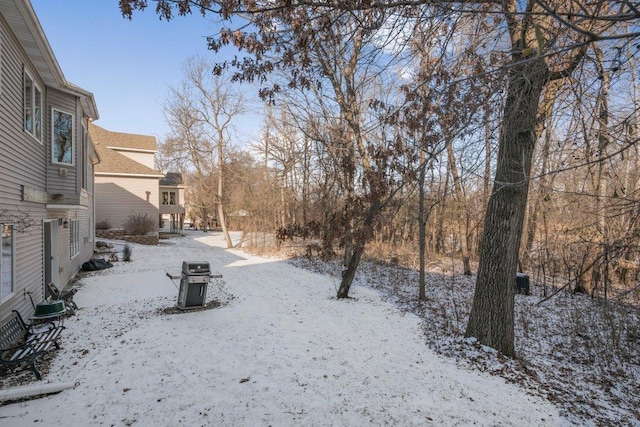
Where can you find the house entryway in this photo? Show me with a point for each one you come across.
(51, 251)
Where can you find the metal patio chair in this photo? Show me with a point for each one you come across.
(66, 296)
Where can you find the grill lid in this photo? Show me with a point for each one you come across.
(195, 267)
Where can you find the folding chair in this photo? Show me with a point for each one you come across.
(66, 296)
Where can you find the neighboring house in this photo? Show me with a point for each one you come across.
(46, 164)
(172, 202)
(126, 181)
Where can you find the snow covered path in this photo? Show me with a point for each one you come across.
(283, 351)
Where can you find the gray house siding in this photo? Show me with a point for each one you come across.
(28, 178)
(22, 154)
(69, 264)
(64, 185)
(29, 268)
(22, 162)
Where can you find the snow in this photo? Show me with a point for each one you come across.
(279, 350)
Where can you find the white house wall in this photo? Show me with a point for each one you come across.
(178, 208)
(147, 159)
(118, 197)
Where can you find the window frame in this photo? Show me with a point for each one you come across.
(74, 238)
(32, 107)
(72, 147)
(12, 266)
(169, 198)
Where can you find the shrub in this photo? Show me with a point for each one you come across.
(126, 253)
(103, 225)
(139, 224)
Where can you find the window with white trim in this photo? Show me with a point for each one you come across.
(32, 108)
(62, 137)
(74, 237)
(168, 198)
(7, 261)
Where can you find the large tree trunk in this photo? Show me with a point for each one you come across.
(221, 215)
(603, 173)
(486, 177)
(491, 318)
(359, 242)
(422, 227)
(352, 266)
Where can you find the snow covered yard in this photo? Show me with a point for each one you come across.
(581, 353)
(280, 350)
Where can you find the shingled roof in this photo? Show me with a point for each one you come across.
(172, 179)
(122, 140)
(115, 163)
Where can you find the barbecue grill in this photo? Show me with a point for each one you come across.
(193, 284)
(522, 283)
(194, 281)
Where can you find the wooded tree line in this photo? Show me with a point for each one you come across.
(503, 132)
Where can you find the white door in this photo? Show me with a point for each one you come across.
(51, 252)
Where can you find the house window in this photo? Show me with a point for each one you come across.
(168, 198)
(62, 137)
(7, 261)
(32, 108)
(74, 237)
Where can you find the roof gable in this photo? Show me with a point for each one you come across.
(115, 163)
(127, 141)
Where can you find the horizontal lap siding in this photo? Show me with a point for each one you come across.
(87, 247)
(22, 162)
(70, 265)
(86, 233)
(118, 197)
(68, 185)
(22, 157)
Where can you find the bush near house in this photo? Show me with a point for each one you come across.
(126, 253)
(139, 224)
(103, 225)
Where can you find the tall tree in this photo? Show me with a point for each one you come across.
(491, 319)
(546, 41)
(202, 113)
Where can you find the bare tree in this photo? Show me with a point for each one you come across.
(545, 41)
(202, 113)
